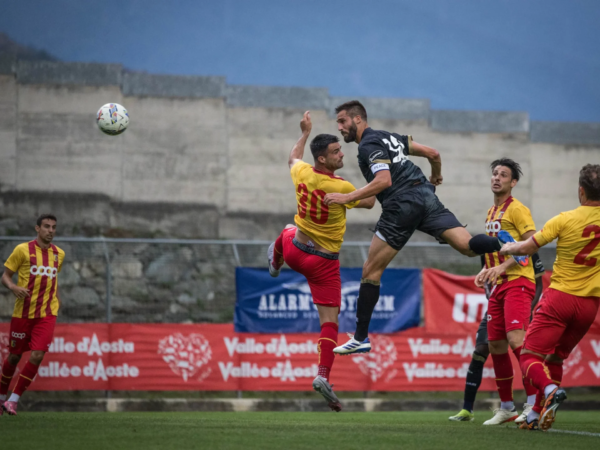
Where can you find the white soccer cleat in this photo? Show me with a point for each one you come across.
(272, 270)
(353, 346)
(502, 416)
(523, 417)
(322, 386)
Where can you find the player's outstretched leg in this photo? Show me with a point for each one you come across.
(25, 378)
(326, 344)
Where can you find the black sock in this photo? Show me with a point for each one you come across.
(368, 296)
(474, 376)
(482, 243)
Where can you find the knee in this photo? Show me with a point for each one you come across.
(370, 272)
(554, 359)
(498, 347)
(482, 350)
(36, 357)
(14, 359)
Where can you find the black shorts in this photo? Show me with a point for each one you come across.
(417, 208)
(481, 338)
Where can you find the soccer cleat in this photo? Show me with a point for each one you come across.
(353, 346)
(504, 237)
(463, 416)
(272, 270)
(322, 386)
(10, 408)
(502, 416)
(553, 401)
(523, 417)
(531, 426)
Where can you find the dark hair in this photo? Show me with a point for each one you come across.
(318, 146)
(45, 216)
(589, 180)
(353, 108)
(514, 167)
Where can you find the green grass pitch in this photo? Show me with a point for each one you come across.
(270, 430)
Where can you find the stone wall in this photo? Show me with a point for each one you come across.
(205, 159)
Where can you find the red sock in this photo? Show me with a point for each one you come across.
(535, 371)
(327, 342)
(529, 389)
(278, 252)
(556, 371)
(504, 376)
(540, 399)
(8, 370)
(25, 378)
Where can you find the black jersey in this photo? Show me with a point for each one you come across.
(381, 150)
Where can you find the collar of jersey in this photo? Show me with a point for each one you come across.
(331, 175)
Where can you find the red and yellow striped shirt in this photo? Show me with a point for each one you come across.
(514, 217)
(38, 270)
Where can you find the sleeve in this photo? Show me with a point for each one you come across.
(15, 260)
(297, 169)
(406, 141)
(523, 221)
(61, 259)
(375, 155)
(346, 188)
(550, 231)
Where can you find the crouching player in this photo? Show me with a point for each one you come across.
(32, 326)
(311, 246)
(569, 306)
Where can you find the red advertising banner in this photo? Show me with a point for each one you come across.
(214, 357)
(453, 304)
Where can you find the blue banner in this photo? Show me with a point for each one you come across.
(284, 304)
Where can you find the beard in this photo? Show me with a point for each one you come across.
(351, 136)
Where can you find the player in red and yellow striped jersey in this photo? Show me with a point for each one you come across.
(514, 287)
(311, 246)
(37, 264)
(570, 304)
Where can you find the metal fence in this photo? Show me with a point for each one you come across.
(168, 280)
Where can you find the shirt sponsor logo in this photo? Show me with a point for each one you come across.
(493, 227)
(376, 155)
(43, 271)
(18, 335)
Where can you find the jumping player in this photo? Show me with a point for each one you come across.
(408, 203)
(511, 294)
(311, 247)
(569, 306)
(32, 326)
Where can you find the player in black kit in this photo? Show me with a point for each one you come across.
(408, 203)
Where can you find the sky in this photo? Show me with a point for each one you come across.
(537, 56)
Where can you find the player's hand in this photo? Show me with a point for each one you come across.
(305, 123)
(436, 180)
(509, 248)
(336, 199)
(490, 276)
(20, 292)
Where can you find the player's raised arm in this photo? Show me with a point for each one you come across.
(433, 156)
(382, 181)
(298, 150)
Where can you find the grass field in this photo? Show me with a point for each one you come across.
(422, 430)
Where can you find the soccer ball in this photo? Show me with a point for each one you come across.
(112, 119)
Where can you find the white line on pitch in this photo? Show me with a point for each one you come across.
(581, 433)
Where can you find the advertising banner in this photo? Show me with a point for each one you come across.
(284, 304)
(210, 357)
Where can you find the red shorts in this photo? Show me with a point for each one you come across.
(509, 308)
(322, 273)
(31, 334)
(559, 322)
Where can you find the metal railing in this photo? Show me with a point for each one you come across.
(186, 280)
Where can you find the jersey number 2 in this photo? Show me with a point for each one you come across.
(589, 248)
(319, 211)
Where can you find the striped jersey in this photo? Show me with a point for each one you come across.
(37, 269)
(577, 266)
(514, 217)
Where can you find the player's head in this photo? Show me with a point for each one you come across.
(351, 117)
(589, 183)
(505, 175)
(46, 227)
(327, 152)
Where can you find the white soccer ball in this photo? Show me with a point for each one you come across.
(112, 119)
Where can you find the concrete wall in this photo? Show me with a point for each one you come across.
(205, 159)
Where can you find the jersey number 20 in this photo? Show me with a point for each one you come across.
(319, 211)
(589, 248)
